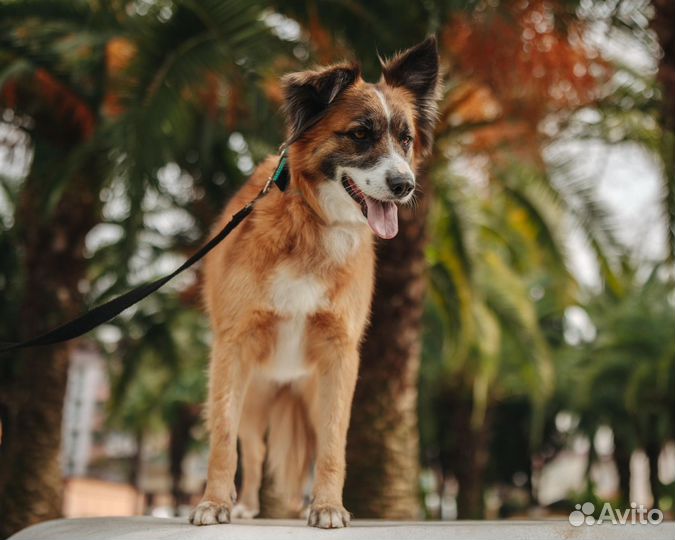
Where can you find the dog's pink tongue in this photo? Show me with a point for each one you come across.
(382, 218)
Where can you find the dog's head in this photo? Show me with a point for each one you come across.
(355, 145)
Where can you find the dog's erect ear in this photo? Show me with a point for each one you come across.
(309, 93)
(417, 71)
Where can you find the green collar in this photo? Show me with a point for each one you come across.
(281, 176)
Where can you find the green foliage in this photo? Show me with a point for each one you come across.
(139, 86)
(159, 364)
(497, 274)
(625, 375)
(169, 99)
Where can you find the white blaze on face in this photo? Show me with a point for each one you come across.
(372, 182)
(392, 161)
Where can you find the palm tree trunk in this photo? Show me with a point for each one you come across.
(662, 24)
(653, 450)
(136, 461)
(622, 460)
(33, 382)
(471, 461)
(30, 472)
(383, 442)
(179, 443)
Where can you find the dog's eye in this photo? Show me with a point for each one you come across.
(360, 134)
(406, 140)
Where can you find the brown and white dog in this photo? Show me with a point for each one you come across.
(289, 292)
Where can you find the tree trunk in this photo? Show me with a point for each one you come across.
(383, 443)
(622, 460)
(471, 461)
(653, 450)
(136, 461)
(662, 24)
(179, 443)
(30, 469)
(33, 381)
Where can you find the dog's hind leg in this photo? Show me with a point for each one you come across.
(292, 447)
(254, 421)
(228, 382)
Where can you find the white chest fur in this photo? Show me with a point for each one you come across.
(294, 298)
(344, 236)
(341, 242)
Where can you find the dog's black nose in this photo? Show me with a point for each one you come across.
(400, 184)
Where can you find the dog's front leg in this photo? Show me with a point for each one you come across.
(229, 378)
(337, 379)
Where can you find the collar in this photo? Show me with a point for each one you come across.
(281, 175)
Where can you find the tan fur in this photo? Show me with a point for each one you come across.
(284, 231)
(288, 294)
(292, 437)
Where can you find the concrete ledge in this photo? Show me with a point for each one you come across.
(148, 528)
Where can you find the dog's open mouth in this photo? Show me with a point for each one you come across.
(382, 216)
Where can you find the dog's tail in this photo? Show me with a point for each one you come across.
(291, 443)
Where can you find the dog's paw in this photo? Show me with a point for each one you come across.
(304, 512)
(210, 513)
(326, 516)
(241, 510)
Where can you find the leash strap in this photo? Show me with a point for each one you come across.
(103, 313)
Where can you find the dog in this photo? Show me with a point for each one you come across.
(289, 292)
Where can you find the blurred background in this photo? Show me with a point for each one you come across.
(522, 353)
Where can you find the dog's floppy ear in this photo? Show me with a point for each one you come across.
(308, 94)
(416, 70)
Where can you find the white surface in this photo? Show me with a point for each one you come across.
(147, 528)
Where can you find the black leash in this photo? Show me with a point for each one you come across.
(103, 313)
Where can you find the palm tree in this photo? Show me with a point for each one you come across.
(158, 381)
(664, 13)
(495, 109)
(105, 95)
(382, 450)
(108, 101)
(499, 288)
(500, 283)
(624, 376)
(55, 100)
